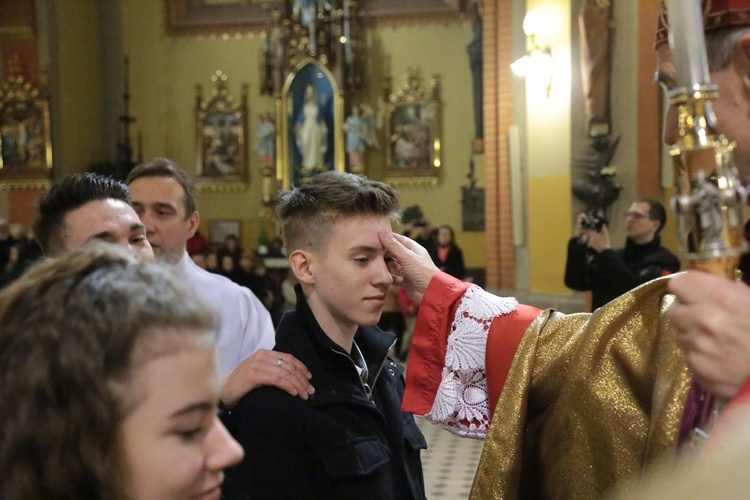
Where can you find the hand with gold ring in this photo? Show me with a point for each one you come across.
(262, 368)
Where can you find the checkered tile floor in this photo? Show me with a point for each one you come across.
(449, 462)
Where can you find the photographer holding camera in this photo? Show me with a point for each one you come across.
(593, 265)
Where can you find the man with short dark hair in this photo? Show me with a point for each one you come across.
(593, 264)
(83, 207)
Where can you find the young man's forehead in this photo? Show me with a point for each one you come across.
(355, 229)
(363, 226)
(101, 208)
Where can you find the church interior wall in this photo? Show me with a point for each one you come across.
(84, 41)
(164, 71)
(556, 134)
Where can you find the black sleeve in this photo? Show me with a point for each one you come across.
(458, 264)
(274, 466)
(622, 279)
(576, 267)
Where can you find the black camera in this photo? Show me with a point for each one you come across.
(593, 220)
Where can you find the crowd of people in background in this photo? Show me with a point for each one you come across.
(244, 268)
(440, 243)
(18, 250)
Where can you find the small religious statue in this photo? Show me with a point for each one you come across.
(704, 206)
(265, 146)
(305, 10)
(356, 130)
(372, 123)
(360, 133)
(597, 37)
(266, 141)
(706, 201)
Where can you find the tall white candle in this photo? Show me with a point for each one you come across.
(687, 42)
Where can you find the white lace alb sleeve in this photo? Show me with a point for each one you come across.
(461, 401)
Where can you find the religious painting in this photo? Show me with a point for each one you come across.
(25, 142)
(219, 229)
(413, 133)
(312, 142)
(221, 163)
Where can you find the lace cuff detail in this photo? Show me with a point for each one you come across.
(461, 404)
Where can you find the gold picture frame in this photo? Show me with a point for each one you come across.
(413, 153)
(311, 109)
(25, 139)
(219, 229)
(221, 127)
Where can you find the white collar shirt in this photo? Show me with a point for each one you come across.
(243, 324)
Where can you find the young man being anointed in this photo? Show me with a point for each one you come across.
(350, 439)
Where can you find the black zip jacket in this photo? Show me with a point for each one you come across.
(339, 444)
(611, 273)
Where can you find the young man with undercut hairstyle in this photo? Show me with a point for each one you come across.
(351, 439)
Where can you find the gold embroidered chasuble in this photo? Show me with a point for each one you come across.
(590, 399)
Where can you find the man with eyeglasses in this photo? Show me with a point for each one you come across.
(594, 265)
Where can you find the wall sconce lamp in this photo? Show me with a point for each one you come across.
(538, 63)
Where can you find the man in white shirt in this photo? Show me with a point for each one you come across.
(163, 197)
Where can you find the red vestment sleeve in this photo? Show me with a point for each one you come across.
(732, 418)
(428, 348)
(737, 409)
(742, 396)
(505, 334)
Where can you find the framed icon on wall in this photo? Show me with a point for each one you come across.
(413, 153)
(312, 120)
(25, 140)
(219, 229)
(221, 127)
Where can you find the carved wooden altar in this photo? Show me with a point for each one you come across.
(311, 64)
